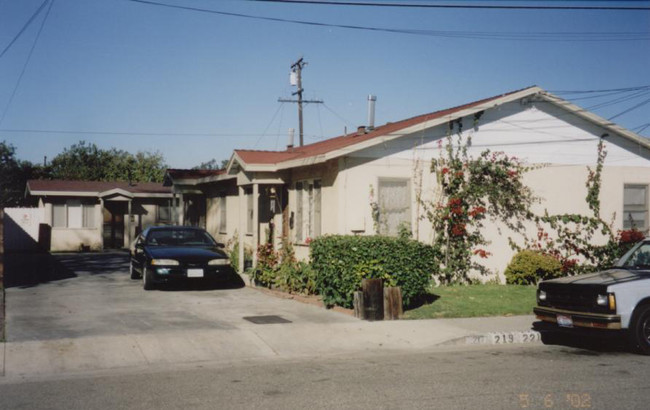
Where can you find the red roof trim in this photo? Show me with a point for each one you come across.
(322, 147)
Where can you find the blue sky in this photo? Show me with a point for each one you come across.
(116, 72)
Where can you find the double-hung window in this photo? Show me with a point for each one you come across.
(308, 210)
(73, 214)
(635, 207)
(222, 213)
(394, 201)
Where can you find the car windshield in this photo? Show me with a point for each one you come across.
(636, 258)
(179, 237)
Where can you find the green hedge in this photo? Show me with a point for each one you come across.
(341, 262)
(530, 267)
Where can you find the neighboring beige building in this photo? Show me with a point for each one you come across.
(99, 215)
(328, 187)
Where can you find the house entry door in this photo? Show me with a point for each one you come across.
(114, 224)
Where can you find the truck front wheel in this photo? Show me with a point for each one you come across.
(639, 330)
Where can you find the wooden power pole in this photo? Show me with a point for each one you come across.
(296, 72)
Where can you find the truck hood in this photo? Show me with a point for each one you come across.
(606, 278)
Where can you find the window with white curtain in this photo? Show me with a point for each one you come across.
(222, 213)
(73, 214)
(308, 209)
(59, 219)
(635, 207)
(394, 200)
(249, 210)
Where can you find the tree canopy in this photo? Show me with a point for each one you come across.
(81, 161)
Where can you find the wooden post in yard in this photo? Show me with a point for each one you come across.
(359, 311)
(373, 299)
(392, 303)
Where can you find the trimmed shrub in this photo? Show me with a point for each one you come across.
(342, 261)
(529, 267)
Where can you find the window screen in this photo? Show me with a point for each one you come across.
(635, 207)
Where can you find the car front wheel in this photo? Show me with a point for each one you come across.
(640, 330)
(147, 282)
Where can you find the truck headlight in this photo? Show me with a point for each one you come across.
(541, 296)
(164, 262)
(608, 300)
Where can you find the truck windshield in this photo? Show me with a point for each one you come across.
(636, 258)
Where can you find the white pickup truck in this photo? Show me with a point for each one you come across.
(617, 299)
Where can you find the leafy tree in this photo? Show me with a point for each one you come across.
(213, 164)
(84, 161)
(14, 175)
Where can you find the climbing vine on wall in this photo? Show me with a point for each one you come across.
(471, 190)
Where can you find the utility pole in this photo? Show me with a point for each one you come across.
(296, 72)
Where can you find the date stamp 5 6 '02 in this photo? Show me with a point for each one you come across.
(553, 401)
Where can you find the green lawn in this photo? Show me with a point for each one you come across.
(476, 301)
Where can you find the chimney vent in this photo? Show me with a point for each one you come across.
(371, 111)
(292, 132)
(361, 130)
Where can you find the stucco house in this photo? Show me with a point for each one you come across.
(327, 187)
(99, 215)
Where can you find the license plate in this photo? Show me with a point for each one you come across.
(564, 321)
(195, 273)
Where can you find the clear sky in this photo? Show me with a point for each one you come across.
(196, 85)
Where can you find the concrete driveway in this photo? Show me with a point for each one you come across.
(92, 317)
(97, 316)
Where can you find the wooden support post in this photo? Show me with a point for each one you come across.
(392, 303)
(359, 311)
(373, 298)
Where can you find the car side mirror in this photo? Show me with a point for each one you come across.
(221, 245)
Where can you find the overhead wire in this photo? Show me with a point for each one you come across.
(29, 57)
(476, 35)
(22, 30)
(451, 6)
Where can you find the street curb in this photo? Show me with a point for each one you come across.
(498, 338)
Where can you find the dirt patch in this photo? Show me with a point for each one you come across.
(313, 300)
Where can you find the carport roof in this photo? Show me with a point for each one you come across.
(39, 187)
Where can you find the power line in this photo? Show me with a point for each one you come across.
(29, 57)
(642, 103)
(641, 87)
(451, 6)
(147, 134)
(22, 30)
(507, 36)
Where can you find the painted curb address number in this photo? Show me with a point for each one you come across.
(501, 338)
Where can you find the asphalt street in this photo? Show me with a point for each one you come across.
(461, 377)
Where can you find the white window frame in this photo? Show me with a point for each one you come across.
(81, 215)
(635, 208)
(223, 209)
(308, 206)
(383, 227)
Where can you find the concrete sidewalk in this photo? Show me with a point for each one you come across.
(68, 356)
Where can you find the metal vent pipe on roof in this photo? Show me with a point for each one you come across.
(292, 132)
(371, 111)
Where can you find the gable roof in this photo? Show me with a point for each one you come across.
(55, 187)
(273, 160)
(252, 160)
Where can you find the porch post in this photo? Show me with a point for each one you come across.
(100, 221)
(181, 209)
(256, 222)
(128, 224)
(242, 227)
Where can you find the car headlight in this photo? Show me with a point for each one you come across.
(219, 262)
(541, 295)
(608, 300)
(164, 262)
